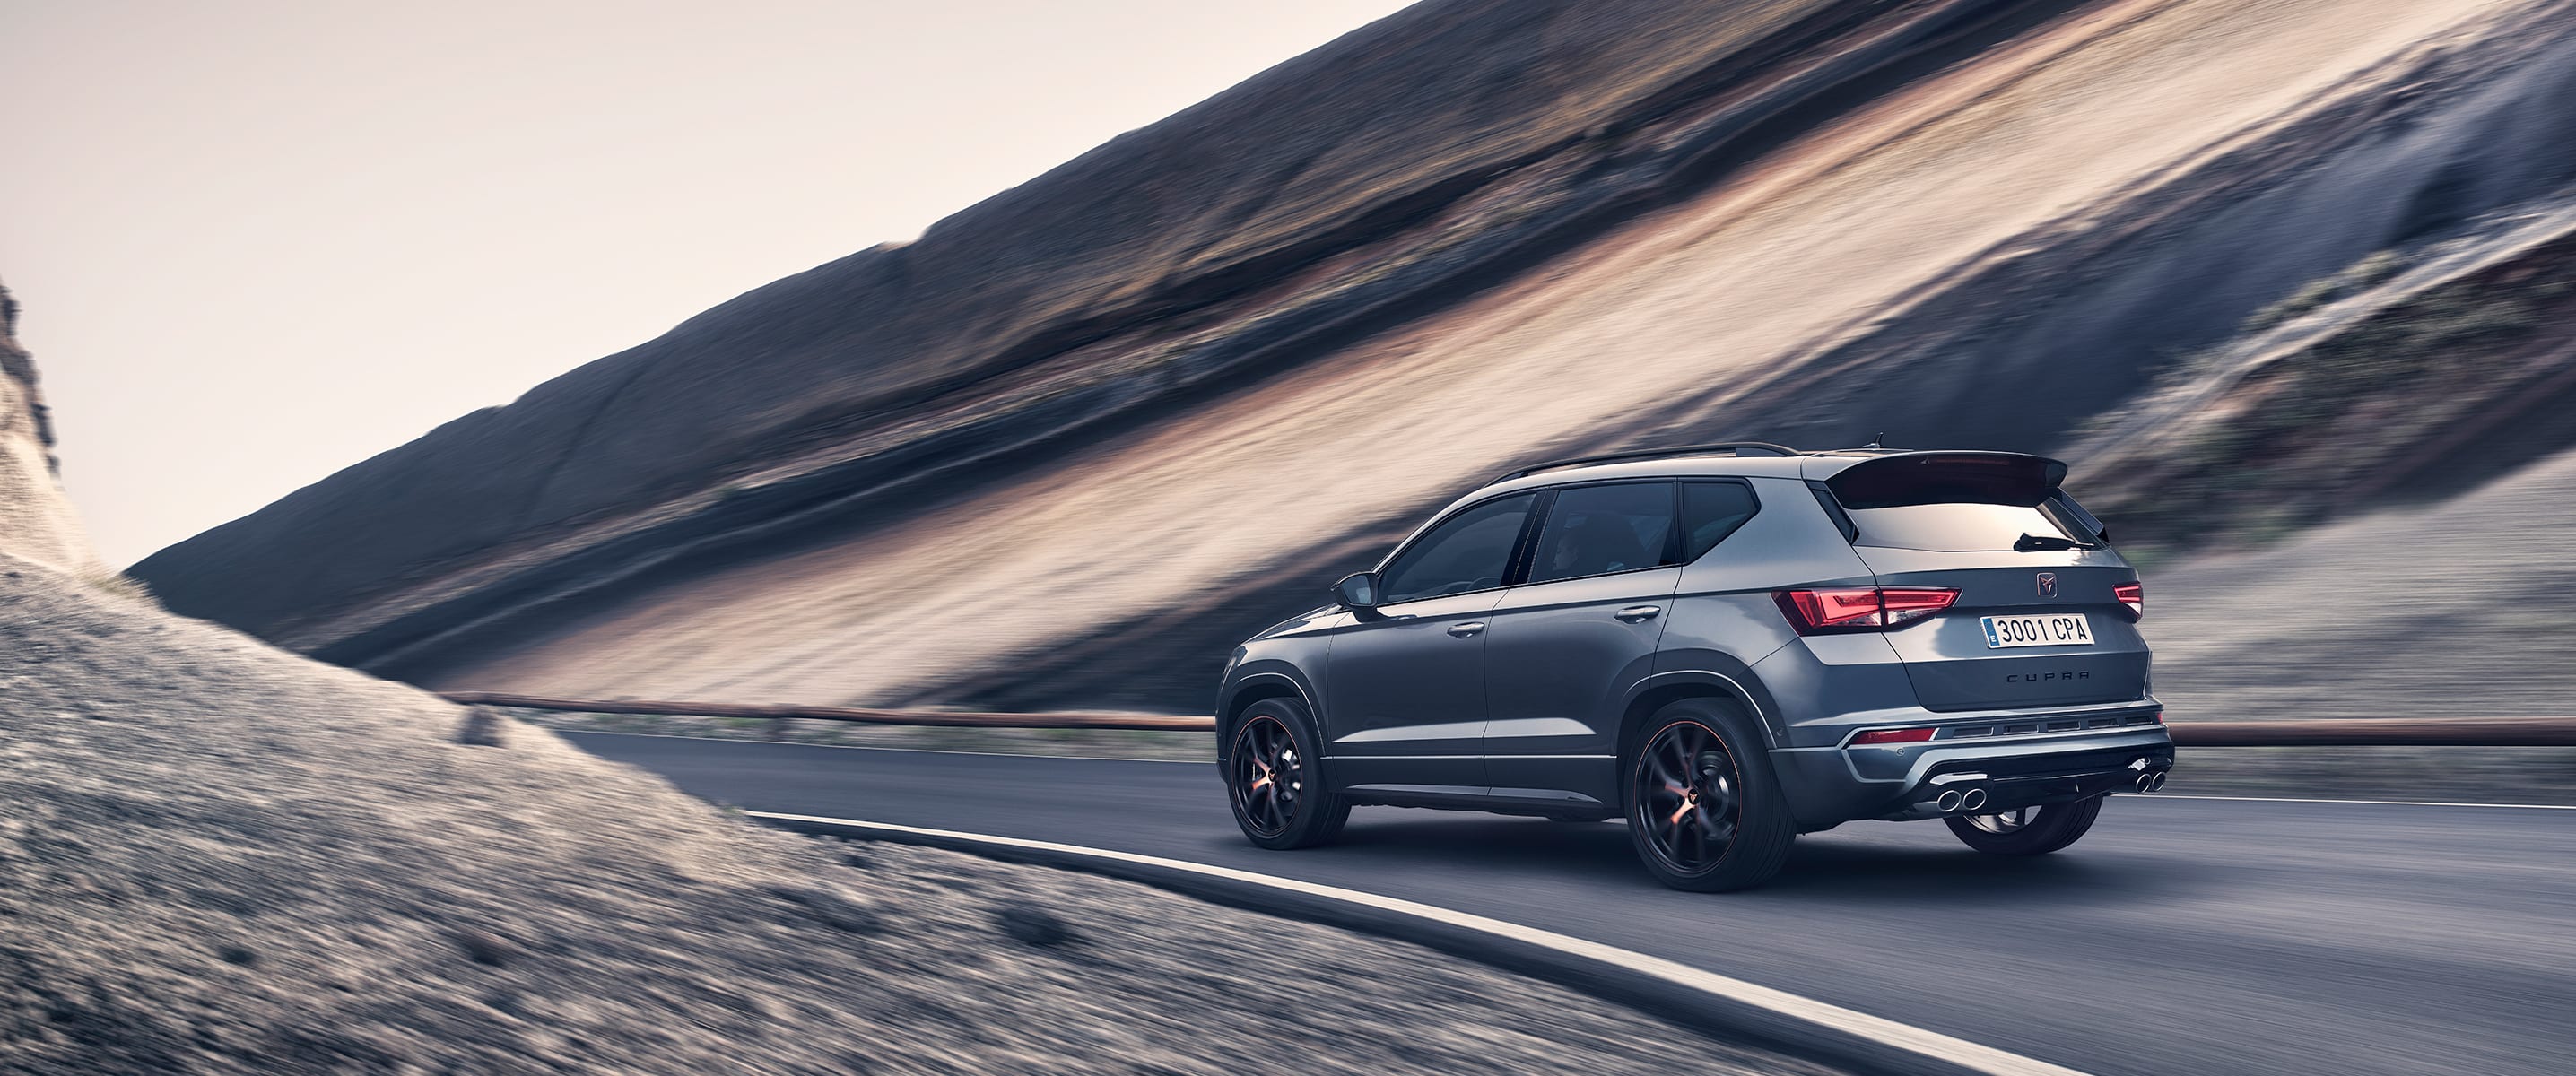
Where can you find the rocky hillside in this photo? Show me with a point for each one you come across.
(36, 520)
(2446, 609)
(1097, 428)
(221, 858)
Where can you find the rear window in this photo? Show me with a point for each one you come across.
(1958, 502)
(1596, 530)
(1956, 527)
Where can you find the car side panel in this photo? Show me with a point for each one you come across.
(1404, 697)
(1558, 663)
(1723, 618)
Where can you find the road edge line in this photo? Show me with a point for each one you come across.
(2365, 803)
(1731, 1008)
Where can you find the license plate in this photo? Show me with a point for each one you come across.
(2044, 629)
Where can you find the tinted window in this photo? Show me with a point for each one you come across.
(1468, 552)
(1955, 528)
(1710, 512)
(1599, 529)
(1934, 478)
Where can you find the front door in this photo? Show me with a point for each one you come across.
(1405, 683)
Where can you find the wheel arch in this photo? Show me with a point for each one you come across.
(1273, 681)
(1664, 689)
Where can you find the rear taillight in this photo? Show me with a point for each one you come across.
(2133, 595)
(1832, 609)
(1907, 604)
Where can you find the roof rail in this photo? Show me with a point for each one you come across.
(1740, 448)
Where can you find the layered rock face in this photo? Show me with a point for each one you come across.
(1077, 440)
(36, 520)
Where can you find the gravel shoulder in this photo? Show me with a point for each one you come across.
(219, 857)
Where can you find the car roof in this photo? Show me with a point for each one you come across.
(1721, 461)
(1718, 464)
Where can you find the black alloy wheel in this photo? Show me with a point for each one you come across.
(1273, 779)
(1692, 797)
(1269, 776)
(1703, 815)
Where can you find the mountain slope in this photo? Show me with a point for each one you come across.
(36, 521)
(1958, 223)
(1369, 135)
(221, 858)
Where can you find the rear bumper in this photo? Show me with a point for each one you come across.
(1985, 786)
(1830, 785)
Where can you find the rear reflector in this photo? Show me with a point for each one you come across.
(1892, 736)
(2133, 595)
(1833, 609)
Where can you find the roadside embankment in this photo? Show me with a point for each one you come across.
(219, 857)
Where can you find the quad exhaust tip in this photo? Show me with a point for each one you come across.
(1950, 801)
(2151, 780)
(1975, 798)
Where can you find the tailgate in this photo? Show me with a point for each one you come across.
(1956, 666)
(2036, 622)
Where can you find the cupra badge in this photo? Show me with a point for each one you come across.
(2048, 584)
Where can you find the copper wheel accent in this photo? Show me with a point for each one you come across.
(1266, 776)
(1687, 795)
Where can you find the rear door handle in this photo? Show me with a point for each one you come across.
(1469, 628)
(1635, 613)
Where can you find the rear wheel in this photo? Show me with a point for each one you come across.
(1274, 779)
(2028, 831)
(1703, 808)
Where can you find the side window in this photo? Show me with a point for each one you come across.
(1469, 552)
(1594, 530)
(1710, 512)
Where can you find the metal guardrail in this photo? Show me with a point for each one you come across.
(2351, 732)
(784, 712)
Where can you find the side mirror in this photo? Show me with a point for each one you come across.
(1357, 590)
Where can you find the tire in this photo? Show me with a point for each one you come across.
(1275, 781)
(2045, 829)
(1696, 753)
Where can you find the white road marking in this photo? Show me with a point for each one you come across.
(2377, 803)
(1851, 1022)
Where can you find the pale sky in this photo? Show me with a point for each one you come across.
(260, 240)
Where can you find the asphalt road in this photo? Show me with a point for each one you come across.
(2180, 937)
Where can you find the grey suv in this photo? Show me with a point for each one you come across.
(1727, 645)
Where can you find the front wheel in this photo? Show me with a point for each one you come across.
(2028, 831)
(1275, 782)
(1703, 808)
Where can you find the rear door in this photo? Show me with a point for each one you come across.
(1574, 634)
(2037, 622)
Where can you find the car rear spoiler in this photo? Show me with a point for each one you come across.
(1947, 478)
